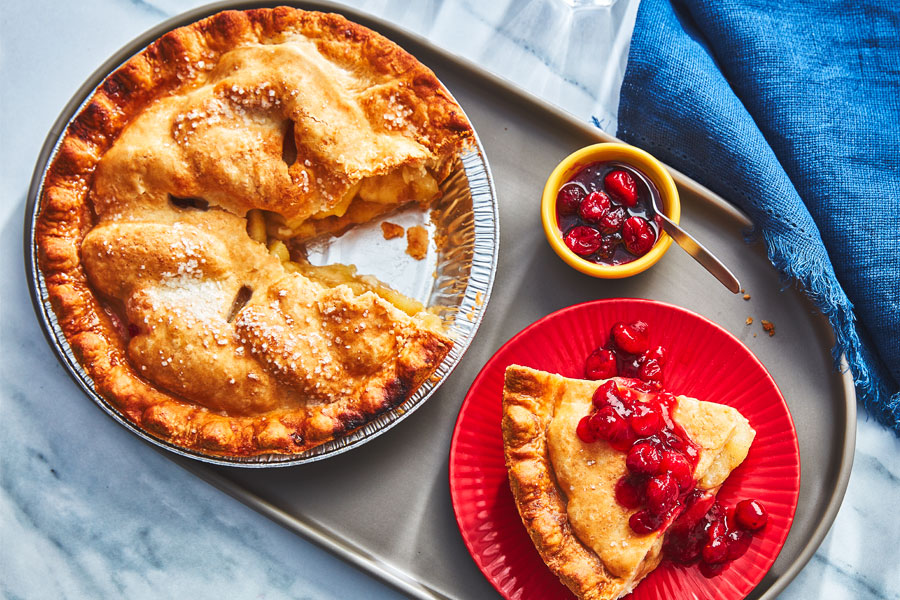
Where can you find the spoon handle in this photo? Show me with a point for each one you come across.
(701, 254)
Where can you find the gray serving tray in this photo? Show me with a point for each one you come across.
(385, 507)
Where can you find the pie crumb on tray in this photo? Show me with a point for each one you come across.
(417, 242)
(391, 230)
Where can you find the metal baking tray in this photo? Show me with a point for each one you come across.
(414, 543)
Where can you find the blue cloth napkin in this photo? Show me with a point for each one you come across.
(791, 110)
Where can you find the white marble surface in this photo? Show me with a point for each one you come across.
(89, 511)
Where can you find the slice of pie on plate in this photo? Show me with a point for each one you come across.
(566, 488)
(174, 214)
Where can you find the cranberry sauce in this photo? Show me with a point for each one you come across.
(605, 214)
(628, 354)
(660, 456)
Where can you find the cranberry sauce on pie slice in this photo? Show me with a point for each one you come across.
(569, 490)
(174, 214)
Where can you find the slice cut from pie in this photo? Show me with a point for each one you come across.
(174, 214)
(570, 492)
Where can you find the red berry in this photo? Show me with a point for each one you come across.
(631, 338)
(676, 464)
(600, 364)
(738, 543)
(750, 515)
(629, 398)
(716, 528)
(712, 569)
(646, 419)
(629, 492)
(583, 240)
(612, 221)
(594, 207)
(620, 184)
(659, 353)
(569, 198)
(606, 394)
(638, 236)
(585, 433)
(650, 371)
(621, 436)
(643, 458)
(715, 551)
(605, 421)
(662, 493)
(643, 522)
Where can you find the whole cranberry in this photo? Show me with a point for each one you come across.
(643, 522)
(638, 236)
(716, 529)
(659, 354)
(646, 419)
(594, 207)
(569, 198)
(606, 394)
(750, 515)
(716, 550)
(662, 493)
(585, 432)
(605, 421)
(629, 399)
(612, 221)
(632, 338)
(600, 364)
(650, 371)
(679, 467)
(738, 542)
(629, 492)
(621, 186)
(643, 458)
(622, 436)
(583, 240)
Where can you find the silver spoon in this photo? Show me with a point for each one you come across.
(685, 240)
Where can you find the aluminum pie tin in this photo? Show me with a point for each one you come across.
(454, 280)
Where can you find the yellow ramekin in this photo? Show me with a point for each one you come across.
(629, 155)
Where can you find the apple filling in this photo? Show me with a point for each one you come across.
(361, 203)
(367, 199)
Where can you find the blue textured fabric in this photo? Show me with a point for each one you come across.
(792, 111)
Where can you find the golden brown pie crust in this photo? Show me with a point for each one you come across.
(144, 289)
(530, 398)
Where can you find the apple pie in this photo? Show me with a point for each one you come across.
(605, 472)
(174, 216)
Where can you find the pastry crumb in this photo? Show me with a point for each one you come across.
(749, 321)
(768, 327)
(391, 230)
(417, 242)
(746, 296)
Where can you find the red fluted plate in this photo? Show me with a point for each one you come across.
(705, 362)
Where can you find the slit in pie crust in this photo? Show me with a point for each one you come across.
(564, 488)
(175, 210)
